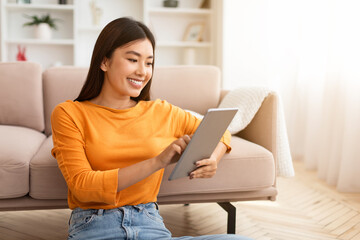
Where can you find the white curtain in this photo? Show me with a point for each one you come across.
(309, 52)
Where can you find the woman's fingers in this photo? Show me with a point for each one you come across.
(202, 174)
(182, 142)
(206, 162)
(206, 168)
(175, 149)
(187, 138)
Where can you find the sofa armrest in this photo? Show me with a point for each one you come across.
(262, 129)
(223, 94)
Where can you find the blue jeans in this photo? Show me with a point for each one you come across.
(141, 222)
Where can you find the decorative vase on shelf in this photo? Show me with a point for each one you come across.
(43, 31)
(42, 25)
(23, 1)
(96, 13)
(170, 3)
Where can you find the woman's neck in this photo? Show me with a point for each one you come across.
(114, 103)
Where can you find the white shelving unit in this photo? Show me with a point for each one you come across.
(170, 11)
(38, 6)
(87, 32)
(73, 43)
(169, 26)
(58, 50)
(41, 42)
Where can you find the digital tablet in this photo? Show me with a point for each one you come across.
(204, 141)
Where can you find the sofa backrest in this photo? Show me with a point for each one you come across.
(21, 97)
(195, 88)
(61, 84)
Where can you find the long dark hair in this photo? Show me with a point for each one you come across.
(115, 34)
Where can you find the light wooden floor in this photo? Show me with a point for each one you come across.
(306, 209)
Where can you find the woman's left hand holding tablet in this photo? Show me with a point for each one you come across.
(205, 168)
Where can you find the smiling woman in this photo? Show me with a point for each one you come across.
(127, 32)
(112, 143)
(126, 74)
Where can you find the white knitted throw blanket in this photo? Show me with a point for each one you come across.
(248, 100)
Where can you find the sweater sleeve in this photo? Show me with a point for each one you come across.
(85, 184)
(226, 139)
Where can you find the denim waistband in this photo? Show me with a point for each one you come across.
(80, 211)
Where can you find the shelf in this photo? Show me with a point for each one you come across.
(184, 44)
(77, 35)
(90, 28)
(41, 42)
(163, 10)
(59, 7)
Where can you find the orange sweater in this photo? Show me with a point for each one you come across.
(92, 142)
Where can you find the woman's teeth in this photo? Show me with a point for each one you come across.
(135, 81)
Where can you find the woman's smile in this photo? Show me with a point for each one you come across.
(137, 83)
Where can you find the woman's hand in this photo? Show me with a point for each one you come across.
(205, 168)
(132, 174)
(173, 151)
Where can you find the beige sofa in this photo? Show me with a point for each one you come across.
(30, 178)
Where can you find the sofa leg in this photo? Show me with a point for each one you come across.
(231, 210)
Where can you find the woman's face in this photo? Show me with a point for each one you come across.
(129, 69)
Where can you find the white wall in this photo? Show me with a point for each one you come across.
(260, 40)
(244, 54)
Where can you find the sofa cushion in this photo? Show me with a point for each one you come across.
(236, 172)
(195, 88)
(21, 95)
(247, 167)
(17, 146)
(61, 84)
(46, 180)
